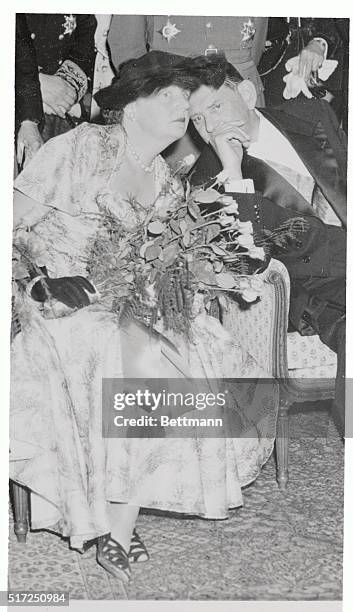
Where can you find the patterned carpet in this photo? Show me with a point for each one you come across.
(277, 546)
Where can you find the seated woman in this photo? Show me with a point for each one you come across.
(83, 485)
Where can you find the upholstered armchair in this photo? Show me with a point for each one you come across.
(303, 365)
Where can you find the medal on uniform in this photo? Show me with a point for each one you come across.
(70, 24)
(248, 31)
(169, 31)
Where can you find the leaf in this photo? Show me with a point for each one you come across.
(153, 275)
(182, 212)
(126, 251)
(183, 226)
(225, 221)
(187, 189)
(189, 257)
(158, 263)
(226, 200)
(225, 280)
(203, 271)
(213, 230)
(187, 240)
(193, 210)
(231, 209)
(218, 266)
(207, 196)
(152, 252)
(218, 250)
(156, 227)
(174, 225)
(223, 303)
(170, 254)
(145, 246)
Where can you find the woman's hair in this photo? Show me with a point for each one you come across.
(213, 71)
(141, 78)
(111, 117)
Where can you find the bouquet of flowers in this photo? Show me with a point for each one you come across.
(199, 245)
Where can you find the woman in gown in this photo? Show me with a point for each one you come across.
(84, 486)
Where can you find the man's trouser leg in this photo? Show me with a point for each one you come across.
(322, 311)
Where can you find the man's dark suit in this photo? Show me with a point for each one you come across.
(312, 129)
(316, 262)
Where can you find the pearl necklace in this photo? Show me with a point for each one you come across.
(135, 155)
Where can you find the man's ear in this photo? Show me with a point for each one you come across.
(248, 92)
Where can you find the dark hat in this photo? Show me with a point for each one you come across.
(140, 77)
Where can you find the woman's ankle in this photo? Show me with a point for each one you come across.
(122, 518)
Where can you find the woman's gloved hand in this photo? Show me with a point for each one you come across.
(70, 290)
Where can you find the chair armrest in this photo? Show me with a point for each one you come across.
(279, 279)
(262, 329)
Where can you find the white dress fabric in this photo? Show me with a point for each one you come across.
(58, 365)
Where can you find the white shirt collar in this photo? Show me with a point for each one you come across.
(271, 145)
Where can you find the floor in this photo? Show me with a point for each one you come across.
(278, 546)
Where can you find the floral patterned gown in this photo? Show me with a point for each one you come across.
(58, 365)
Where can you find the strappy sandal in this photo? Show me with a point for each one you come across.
(138, 551)
(113, 557)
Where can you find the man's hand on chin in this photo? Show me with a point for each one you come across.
(228, 140)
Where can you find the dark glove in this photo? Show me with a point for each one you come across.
(70, 290)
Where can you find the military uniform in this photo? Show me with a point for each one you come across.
(242, 39)
(63, 45)
(60, 39)
(28, 98)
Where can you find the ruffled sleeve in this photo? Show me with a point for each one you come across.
(60, 173)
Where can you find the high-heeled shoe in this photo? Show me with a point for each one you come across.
(113, 557)
(138, 552)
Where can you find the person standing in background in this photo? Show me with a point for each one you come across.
(62, 49)
(242, 39)
(287, 37)
(103, 72)
(28, 98)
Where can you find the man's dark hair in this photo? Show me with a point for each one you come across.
(212, 71)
